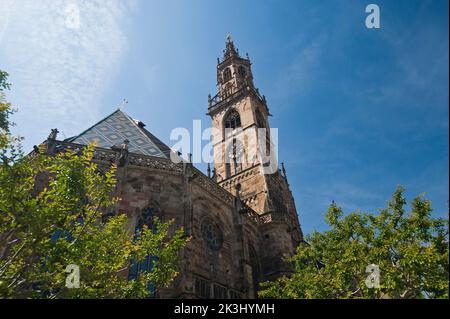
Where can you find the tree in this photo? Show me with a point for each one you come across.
(52, 211)
(410, 250)
(6, 139)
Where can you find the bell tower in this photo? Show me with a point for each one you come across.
(244, 152)
(237, 112)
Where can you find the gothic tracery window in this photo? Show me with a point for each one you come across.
(234, 157)
(256, 271)
(261, 124)
(211, 234)
(146, 219)
(260, 119)
(233, 120)
(242, 72)
(227, 74)
(146, 265)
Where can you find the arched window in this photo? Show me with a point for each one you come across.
(211, 234)
(242, 72)
(146, 219)
(227, 74)
(233, 120)
(261, 123)
(234, 158)
(146, 265)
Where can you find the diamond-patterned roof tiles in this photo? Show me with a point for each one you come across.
(116, 128)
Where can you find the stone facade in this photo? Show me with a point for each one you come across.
(242, 221)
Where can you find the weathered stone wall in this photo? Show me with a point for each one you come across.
(251, 246)
(165, 192)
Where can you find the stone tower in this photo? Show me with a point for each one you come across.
(245, 162)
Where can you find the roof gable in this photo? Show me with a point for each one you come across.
(118, 127)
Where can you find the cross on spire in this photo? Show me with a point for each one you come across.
(229, 39)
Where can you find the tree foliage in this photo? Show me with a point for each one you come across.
(51, 210)
(6, 139)
(410, 249)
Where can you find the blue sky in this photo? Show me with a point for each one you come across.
(359, 111)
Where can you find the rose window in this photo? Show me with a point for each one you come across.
(212, 235)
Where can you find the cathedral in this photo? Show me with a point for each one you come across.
(241, 215)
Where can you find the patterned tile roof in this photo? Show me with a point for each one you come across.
(116, 128)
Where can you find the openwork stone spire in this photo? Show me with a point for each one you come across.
(230, 50)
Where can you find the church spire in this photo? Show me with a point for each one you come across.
(233, 74)
(230, 50)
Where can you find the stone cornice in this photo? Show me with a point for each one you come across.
(218, 104)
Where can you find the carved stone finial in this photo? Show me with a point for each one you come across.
(51, 145)
(53, 134)
(122, 153)
(230, 50)
(209, 170)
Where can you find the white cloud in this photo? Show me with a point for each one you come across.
(60, 67)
